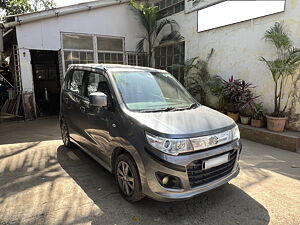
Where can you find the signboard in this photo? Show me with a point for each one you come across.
(231, 12)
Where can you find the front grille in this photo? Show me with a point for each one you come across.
(198, 176)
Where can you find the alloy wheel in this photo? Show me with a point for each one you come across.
(125, 178)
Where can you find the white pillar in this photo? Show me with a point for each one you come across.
(27, 84)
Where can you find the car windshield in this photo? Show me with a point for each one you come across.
(152, 91)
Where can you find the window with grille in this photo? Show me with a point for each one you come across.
(84, 48)
(110, 50)
(78, 48)
(78, 57)
(171, 58)
(137, 59)
(169, 7)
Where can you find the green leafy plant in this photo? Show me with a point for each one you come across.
(216, 87)
(283, 67)
(258, 113)
(239, 96)
(155, 30)
(197, 76)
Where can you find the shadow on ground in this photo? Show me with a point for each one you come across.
(225, 205)
(44, 129)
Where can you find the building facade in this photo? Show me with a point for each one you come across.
(48, 41)
(239, 46)
(107, 31)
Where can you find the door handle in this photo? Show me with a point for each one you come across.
(82, 109)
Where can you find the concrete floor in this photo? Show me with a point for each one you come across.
(41, 182)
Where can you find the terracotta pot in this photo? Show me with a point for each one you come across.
(257, 123)
(245, 119)
(234, 116)
(276, 123)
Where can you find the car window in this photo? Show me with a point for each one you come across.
(96, 82)
(75, 83)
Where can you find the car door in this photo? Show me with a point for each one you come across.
(72, 97)
(97, 120)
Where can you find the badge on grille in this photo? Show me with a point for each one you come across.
(213, 140)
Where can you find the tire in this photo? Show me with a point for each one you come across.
(65, 134)
(129, 184)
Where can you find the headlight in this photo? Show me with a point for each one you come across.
(236, 133)
(177, 146)
(169, 146)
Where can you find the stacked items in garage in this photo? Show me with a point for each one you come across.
(10, 103)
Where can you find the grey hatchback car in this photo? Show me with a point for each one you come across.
(145, 128)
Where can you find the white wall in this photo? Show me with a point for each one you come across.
(117, 20)
(239, 46)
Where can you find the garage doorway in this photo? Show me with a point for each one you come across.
(46, 80)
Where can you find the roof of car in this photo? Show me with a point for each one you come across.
(113, 67)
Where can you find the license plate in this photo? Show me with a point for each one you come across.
(216, 161)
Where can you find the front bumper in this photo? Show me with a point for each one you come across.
(178, 166)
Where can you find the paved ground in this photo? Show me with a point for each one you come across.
(41, 182)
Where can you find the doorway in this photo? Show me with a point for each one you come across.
(46, 80)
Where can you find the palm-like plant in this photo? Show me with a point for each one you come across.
(197, 77)
(154, 28)
(283, 68)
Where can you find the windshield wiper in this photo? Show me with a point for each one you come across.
(168, 109)
(193, 105)
(159, 110)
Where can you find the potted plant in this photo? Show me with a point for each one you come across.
(240, 98)
(283, 71)
(258, 116)
(245, 115)
(246, 101)
(230, 92)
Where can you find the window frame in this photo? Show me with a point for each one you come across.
(69, 80)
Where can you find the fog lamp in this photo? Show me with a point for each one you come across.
(168, 181)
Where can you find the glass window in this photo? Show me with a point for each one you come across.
(169, 7)
(74, 41)
(75, 82)
(171, 58)
(110, 44)
(137, 59)
(113, 58)
(80, 49)
(78, 57)
(95, 83)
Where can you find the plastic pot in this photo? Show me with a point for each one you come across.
(245, 119)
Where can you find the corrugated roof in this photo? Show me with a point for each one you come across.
(45, 14)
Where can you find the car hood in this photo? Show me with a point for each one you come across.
(186, 123)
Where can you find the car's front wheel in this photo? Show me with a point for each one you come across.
(127, 178)
(65, 134)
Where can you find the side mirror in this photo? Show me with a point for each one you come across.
(98, 99)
